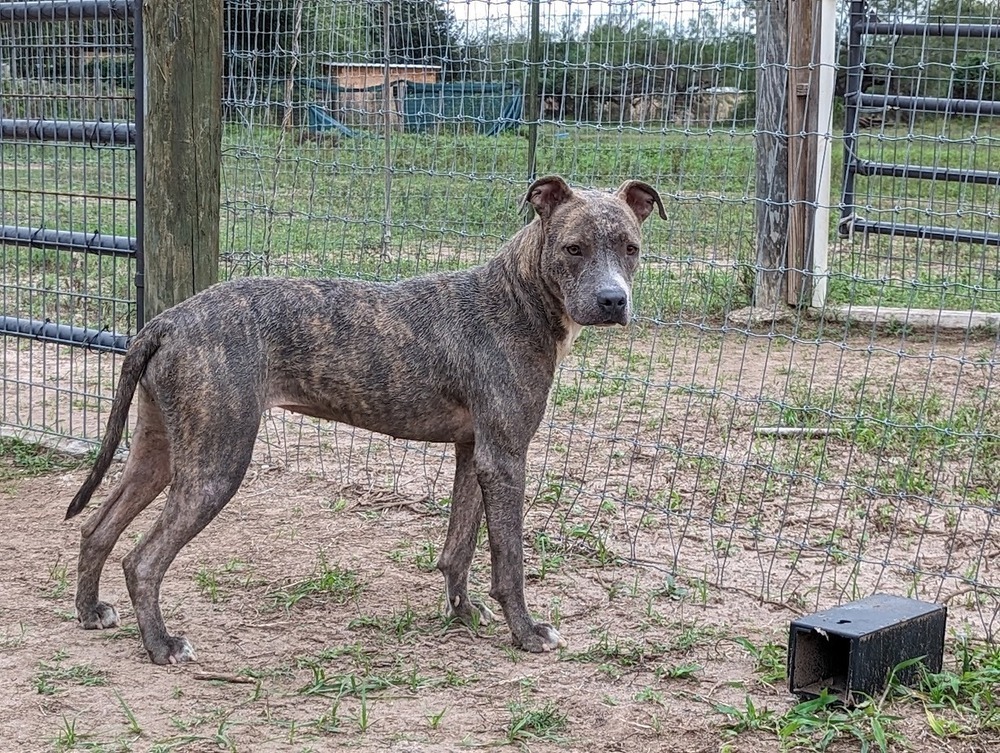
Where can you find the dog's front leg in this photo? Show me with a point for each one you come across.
(501, 478)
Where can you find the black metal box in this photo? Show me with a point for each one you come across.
(851, 649)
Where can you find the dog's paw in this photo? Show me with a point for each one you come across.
(100, 615)
(470, 612)
(173, 651)
(541, 638)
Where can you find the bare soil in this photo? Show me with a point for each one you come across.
(651, 560)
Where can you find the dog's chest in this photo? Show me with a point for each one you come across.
(564, 346)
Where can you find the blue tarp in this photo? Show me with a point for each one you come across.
(489, 108)
(322, 120)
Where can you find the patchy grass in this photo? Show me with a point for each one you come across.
(55, 675)
(957, 703)
(21, 459)
(319, 209)
(345, 666)
(328, 583)
(535, 723)
(900, 437)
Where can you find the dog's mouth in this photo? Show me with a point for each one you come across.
(597, 318)
(585, 321)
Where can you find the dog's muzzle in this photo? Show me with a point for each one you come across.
(613, 305)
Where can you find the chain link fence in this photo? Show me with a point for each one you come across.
(806, 461)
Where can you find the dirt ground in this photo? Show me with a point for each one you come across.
(441, 688)
(318, 620)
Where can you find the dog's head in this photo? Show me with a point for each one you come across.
(591, 245)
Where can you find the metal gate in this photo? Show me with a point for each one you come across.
(861, 105)
(71, 193)
(70, 173)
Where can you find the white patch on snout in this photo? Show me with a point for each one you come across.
(563, 347)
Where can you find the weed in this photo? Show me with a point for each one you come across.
(363, 718)
(329, 720)
(649, 695)
(434, 720)
(207, 582)
(133, 722)
(68, 737)
(58, 579)
(532, 723)
(769, 659)
(749, 718)
(357, 685)
(820, 721)
(50, 674)
(327, 583)
(124, 632)
(548, 560)
(335, 505)
(21, 459)
(963, 700)
(11, 641)
(399, 624)
(426, 558)
(678, 671)
(624, 652)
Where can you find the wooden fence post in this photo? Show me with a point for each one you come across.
(772, 154)
(181, 123)
(803, 141)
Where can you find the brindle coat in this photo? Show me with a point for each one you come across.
(464, 357)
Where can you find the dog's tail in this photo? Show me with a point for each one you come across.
(141, 350)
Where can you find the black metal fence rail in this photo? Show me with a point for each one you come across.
(64, 334)
(68, 240)
(65, 10)
(91, 132)
(869, 169)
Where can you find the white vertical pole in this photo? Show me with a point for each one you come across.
(824, 151)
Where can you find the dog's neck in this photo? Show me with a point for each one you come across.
(521, 258)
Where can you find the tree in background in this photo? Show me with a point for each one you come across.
(267, 38)
(594, 71)
(421, 32)
(620, 63)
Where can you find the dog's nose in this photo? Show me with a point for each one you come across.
(612, 302)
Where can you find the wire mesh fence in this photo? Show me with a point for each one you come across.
(805, 462)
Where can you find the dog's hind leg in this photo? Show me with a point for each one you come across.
(460, 544)
(146, 474)
(207, 471)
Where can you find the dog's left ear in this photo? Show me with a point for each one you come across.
(545, 194)
(641, 197)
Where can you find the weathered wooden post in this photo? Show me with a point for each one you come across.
(181, 148)
(772, 156)
(803, 101)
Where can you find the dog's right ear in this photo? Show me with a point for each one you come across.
(545, 194)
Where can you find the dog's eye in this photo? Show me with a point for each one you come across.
(573, 250)
(631, 250)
